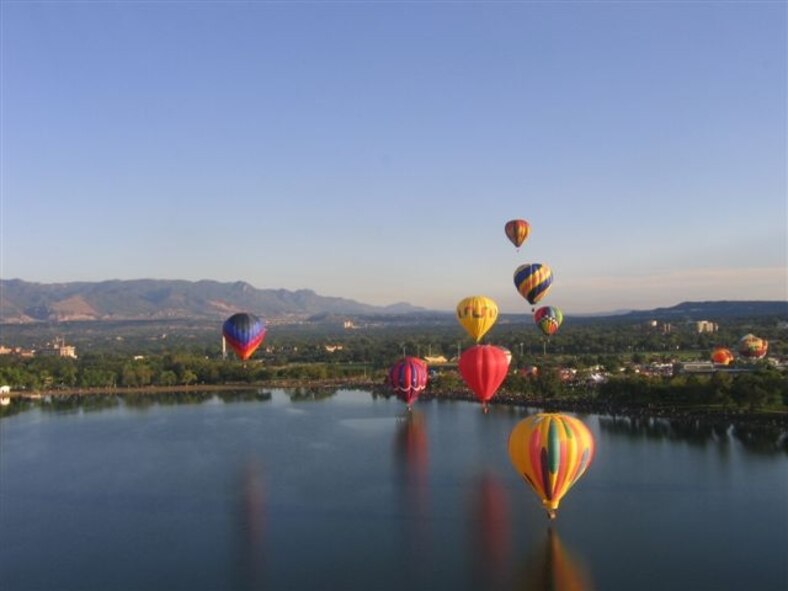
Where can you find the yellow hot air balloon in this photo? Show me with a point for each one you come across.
(477, 314)
(551, 452)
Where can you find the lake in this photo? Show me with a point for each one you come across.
(299, 490)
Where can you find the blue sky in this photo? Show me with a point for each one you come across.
(375, 150)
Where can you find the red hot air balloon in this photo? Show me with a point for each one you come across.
(244, 333)
(408, 379)
(484, 368)
(517, 231)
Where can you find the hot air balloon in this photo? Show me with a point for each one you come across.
(484, 368)
(548, 319)
(244, 333)
(477, 314)
(517, 231)
(408, 379)
(551, 452)
(533, 280)
(752, 347)
(508, 354)
(722, 356)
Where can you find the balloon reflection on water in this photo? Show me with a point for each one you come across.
(252, 517)
(490, 535)
(551, 567)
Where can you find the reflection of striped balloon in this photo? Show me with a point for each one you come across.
(551, 452)
(533, 281)
(548, 319)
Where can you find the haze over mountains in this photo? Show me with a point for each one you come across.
(150, 299)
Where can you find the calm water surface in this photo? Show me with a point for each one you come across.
(296, 492)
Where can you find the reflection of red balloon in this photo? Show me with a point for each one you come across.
(492, 511)
(484, 368)
(408, 378)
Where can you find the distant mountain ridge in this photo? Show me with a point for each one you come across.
(149, 299)
(715, 310)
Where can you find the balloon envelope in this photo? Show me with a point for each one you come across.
(722, 356)
(551, 452)
(753, 347)
(517, 231)
(408, 378)
(548, 319)
(476, 315)
(484, 368)
(533, 280)
(244, 333)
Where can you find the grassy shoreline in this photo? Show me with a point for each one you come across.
(580, 404)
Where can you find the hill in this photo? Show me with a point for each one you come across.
(149, 299)
(23, 302)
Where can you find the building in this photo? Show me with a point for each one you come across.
(706, 326)
(60, 349)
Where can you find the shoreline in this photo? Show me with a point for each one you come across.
(582, 405)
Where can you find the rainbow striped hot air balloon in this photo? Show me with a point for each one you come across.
(517, 231)
(551, 452)
(548, 319)
(533, 280)
(244, 333)
(408, 379)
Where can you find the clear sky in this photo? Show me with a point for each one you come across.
(374, 150)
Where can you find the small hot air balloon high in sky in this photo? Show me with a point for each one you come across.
(548, 319)
(244, 333)
(484, 368)
(408, 378)
(722, 356)
(477, 314)
(533, 280)
(551, 452)
(517, 232)
(752, 347)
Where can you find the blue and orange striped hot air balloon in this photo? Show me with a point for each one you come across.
(408, 379)
(533, 280)
(244, 333)
(551, 452)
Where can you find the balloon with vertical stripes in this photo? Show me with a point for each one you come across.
(551, 452)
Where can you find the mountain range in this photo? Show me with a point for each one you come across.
(150, 299)
(23, 302)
